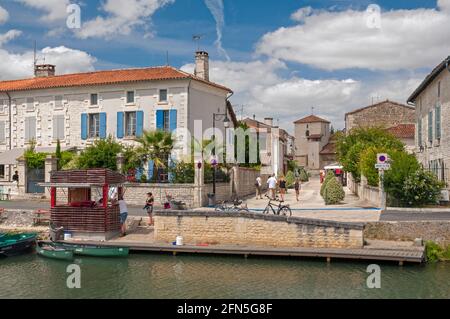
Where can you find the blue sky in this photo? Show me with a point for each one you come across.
(288, 55)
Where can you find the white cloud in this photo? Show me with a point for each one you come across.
(301, 14)
(55, 9)
(4, 15)
(8, 36)
(341, 40)
(16, 66)
(122, 17)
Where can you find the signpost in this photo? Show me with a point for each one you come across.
(382, 166)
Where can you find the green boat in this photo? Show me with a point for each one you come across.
(49, 251)
(93, 251)
(12, 245)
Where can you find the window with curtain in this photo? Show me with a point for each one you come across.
(94, 125)
(130, 124)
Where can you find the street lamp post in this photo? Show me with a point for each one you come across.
(226, 124)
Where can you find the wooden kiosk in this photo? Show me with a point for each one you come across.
(87, 210)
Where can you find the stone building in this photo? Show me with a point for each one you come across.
(276, 146)
(312, 138)
(385, 114)
(79, 108)
(432, 101)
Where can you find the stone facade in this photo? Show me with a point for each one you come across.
(255, 230)
(432, 102)
(437, 231)
(312, 135)
(385, 114)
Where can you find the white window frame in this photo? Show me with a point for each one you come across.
(128, 130)
(95, 132)
(90, 99)
(134, 98)
(167, 96)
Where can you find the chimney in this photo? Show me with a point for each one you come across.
(268, 121)
(44, 70)
(202, 65)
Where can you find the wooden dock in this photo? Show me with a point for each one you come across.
(401, 256)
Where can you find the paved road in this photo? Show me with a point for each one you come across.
(393, 216)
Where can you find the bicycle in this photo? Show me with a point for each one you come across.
(236, 206)
(280, 209)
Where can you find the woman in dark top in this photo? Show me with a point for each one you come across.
(282, 188)
(149, 207)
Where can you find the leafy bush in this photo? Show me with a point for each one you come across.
(421, 188)
(35, 160)
(143, 179)
(221, 174)
(436, 252)
(183, 173)
(334, 192)
(102, 154)
(304, 176)
(329, 177)
(290, 179)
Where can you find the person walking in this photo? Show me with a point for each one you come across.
(258, 185)
(297, 187)
(283, 188)
(123, 215)
(272, 183)
(149, 205)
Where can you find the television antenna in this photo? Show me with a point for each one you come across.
(197, 38)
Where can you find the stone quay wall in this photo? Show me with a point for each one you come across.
(247, 229)
(437, 231)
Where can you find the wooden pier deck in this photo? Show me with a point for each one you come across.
(399, 255)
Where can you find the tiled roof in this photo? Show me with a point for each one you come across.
(379, 104)
(403, 131)
(102, 78)
(311, 119)
(329, 149)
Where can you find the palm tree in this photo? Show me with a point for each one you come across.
(156, 146)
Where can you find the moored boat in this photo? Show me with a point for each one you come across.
(16, 244)
(49, 251)
(94, 251)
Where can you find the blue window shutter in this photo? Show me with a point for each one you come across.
(139, 173)
(151, 169)
(103, 125)
(120, 126)
(160, 120)
(139, 123)
(173, 120)
(84, 126)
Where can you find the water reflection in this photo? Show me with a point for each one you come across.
(164, 276)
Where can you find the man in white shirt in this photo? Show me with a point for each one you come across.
(258, 185)
(123, 215)
(272, 182)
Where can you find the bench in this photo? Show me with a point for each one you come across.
(41, 217)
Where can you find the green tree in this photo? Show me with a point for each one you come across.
(290, 179)
(350, 147)
(102, 154)
(304, 176)
(156, 146)
(58, 154)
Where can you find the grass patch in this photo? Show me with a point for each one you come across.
(436, 253)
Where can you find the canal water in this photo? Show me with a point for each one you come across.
(162, 276)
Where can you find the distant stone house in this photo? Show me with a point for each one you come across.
(405, 133)
(312, 143)
(78, 109)
(276, 146)
(385, 114)
(432, 101)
